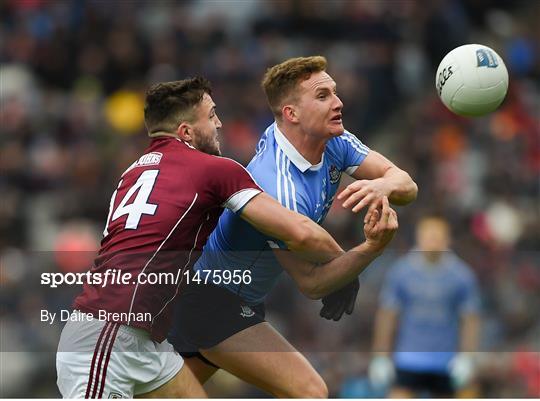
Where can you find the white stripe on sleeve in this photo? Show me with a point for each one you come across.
(355, 143)
(350, 170)
(240, 199)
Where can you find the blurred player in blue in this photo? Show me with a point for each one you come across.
(430, 302)
(299, 161)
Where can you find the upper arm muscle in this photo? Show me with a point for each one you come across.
(269, 217)
(374, 166)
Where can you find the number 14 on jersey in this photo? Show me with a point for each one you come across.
(143, 187)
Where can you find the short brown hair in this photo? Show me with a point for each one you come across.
(168, 104)
(280, 81)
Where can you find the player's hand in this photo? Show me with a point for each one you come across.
(340, 301)
(381, 226)
(381, 372)
(461, 370)
(364, 193)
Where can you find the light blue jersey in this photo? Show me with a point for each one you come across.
(430, 300)
(287, 176)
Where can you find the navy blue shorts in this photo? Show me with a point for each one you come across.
(206, 315)
(437, 384)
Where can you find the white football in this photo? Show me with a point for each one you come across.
(472, 80)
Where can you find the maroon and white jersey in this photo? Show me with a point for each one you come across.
(166, 205)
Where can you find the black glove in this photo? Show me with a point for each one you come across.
(340, 301)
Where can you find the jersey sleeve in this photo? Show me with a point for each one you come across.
(232, 184)
(349, 151)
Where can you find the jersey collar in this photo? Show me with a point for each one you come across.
(294, 155)
(185, 143)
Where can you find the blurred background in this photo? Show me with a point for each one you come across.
(73, 76)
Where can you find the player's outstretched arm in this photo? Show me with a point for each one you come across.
(384, 330)
(316, 281)
(301, 235)
(377, 177)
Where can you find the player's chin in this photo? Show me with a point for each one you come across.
(216, 151)
(336, 128)
(211, 148)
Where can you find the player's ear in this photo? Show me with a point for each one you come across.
(289, 113)
(184, 132)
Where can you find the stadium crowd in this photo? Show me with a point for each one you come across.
(73, 76)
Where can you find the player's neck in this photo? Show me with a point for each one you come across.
(159, 134)
(309, 147)
(433, 257)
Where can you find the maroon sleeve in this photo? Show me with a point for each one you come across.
(227, 178)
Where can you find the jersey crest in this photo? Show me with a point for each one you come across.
(335, 174)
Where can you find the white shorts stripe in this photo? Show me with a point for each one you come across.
(94, 368)
(98, 359)
(103, 375)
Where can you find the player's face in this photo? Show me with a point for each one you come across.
(432, 236)
(319, 108)
(206, 127)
